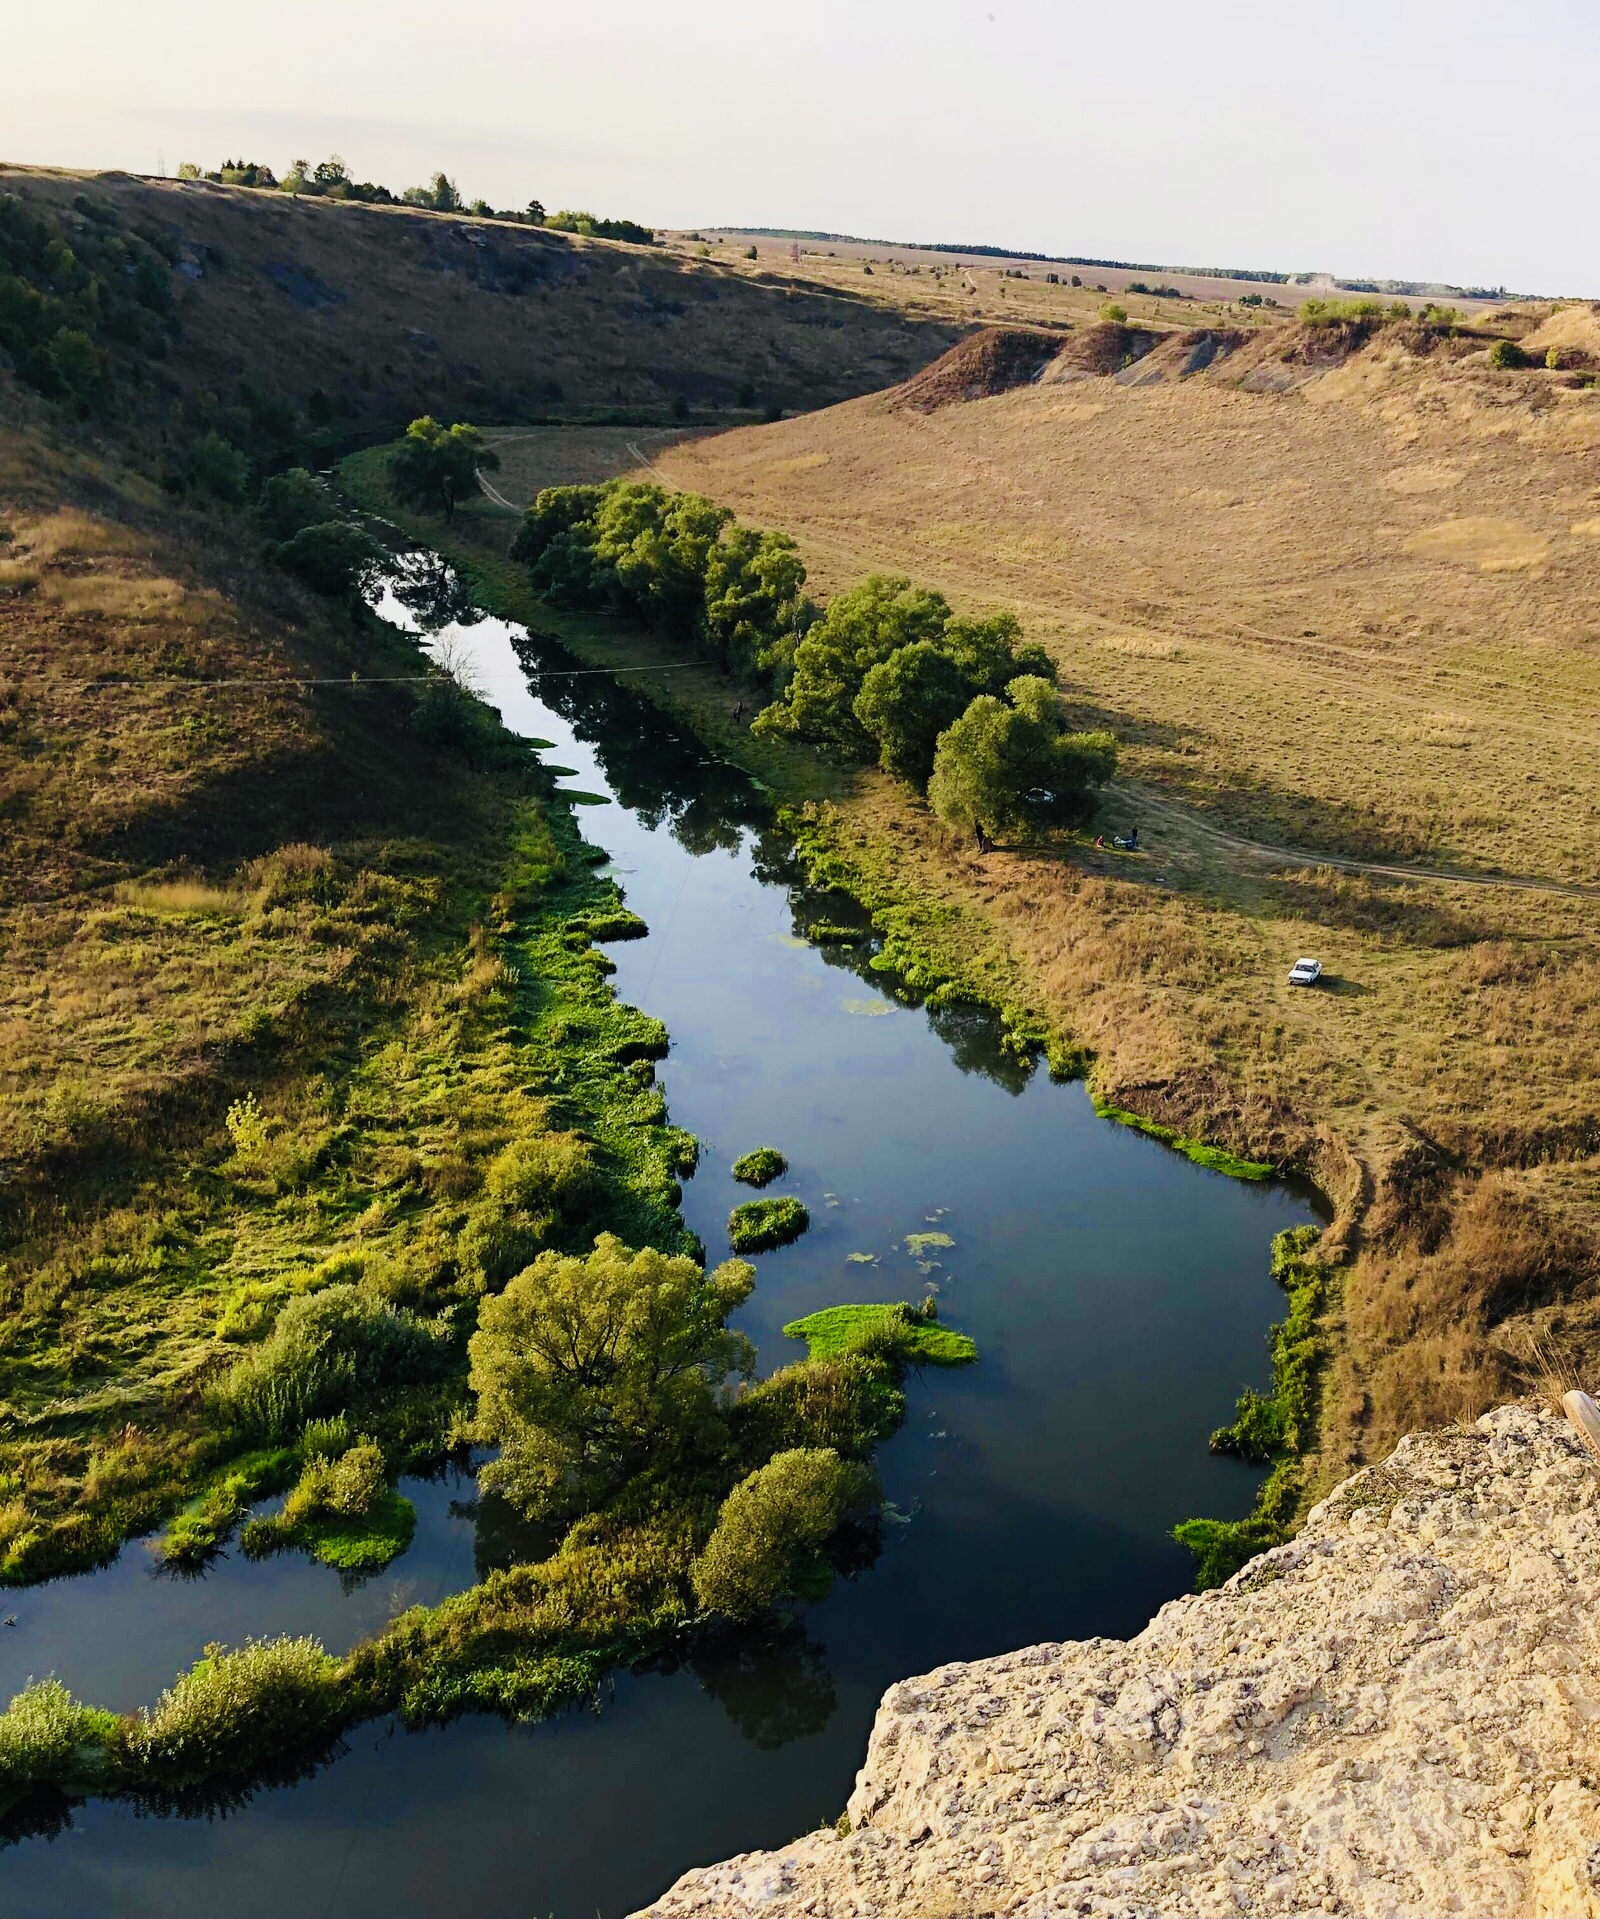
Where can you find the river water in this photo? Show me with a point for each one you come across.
(1119, 1296)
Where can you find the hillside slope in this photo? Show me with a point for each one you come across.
(1334, 590)
(1396, 1713)
(371, 315)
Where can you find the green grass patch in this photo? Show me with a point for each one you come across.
(365, 1544)
(897, 1330)
(760, 1224)
(761, 1167)
(1277, 1428)
(1216, 1159)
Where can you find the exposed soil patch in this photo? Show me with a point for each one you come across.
(990, 362)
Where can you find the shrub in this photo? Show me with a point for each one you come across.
(234, 1713)
(763, 1223)
(289, 502)
(219, 469)
(334, 558)
(1506, 353)
(329, 1350)
(326, 1438)
(770, 1534)
(545, 1175)
(849, 1402)
(348, 1486)
(1113, 315)
(761, 1167)
(48, 1738)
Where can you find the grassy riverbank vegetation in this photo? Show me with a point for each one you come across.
(1278, 1428)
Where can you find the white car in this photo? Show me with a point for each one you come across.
(1305, 972)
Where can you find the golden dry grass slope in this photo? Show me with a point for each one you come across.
(1336, 592)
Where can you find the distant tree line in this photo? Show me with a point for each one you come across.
(959, 708)
(330, 179)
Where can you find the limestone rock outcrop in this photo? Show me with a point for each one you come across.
(1397, 1712)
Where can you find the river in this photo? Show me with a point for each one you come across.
(1119, 1296)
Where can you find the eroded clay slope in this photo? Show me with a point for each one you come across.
(1397, 1713)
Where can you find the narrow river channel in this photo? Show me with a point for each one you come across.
(1119, 1296)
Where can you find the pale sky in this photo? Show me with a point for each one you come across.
(1454, 140)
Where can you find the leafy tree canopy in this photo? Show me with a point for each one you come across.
(1010, 764)
(436, 467)
(292, 500)
(588, 1364)
(334, 558)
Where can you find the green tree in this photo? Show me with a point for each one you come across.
(436, 467)
(76, 363)
(650, 554)
(1009, 764)
(334, 558)
(440, 193)
(754, 604)
(906, 702)
(292, 500)
(219, 469)
(861, 627)
(771, 1534)
(588, 1366)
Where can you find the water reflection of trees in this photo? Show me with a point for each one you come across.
(772, 1681)
(972, 1033)
(432, 592)
(662, 775)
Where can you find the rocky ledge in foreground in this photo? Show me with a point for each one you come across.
(1399, 1712)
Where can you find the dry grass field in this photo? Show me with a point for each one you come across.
(1339, 608)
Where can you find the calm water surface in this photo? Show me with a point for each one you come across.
(1118, 1294)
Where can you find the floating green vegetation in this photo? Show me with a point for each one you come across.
(760, 1224)
(901, 1331)
(1279, 1427)
(919, 1245)
(1216, 1158)
(201, 1528)
(761, 1167)
(829, 933)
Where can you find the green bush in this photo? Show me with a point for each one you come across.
(334, 558)
(48, 1738)
(545, 1175)
(763, 1223)
(347, 1486)
(326, 1438)
(329, 1351)
(219, 469)
(1506, 353)
(235, 1713)
(768, 1543)
(290, 502)
(761, 1167)
(848, 1401)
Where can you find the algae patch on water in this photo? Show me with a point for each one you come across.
(897, 1328)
